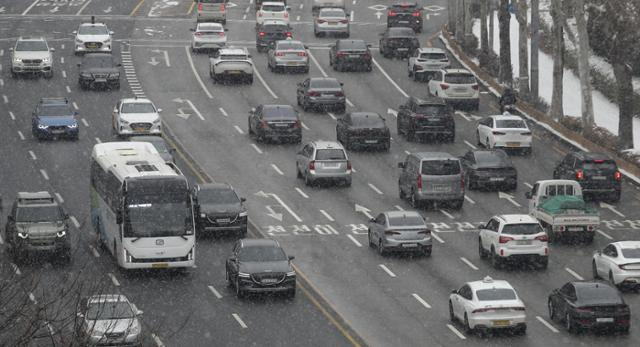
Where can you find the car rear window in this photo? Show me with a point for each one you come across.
(211, 1)
(290, 46)
(324, 83)
(434, 56)
(604, 165)
(510, 123)
(598, 293)
(493, 158)
(233, 57)
(371, 121)
(405, 221)
(493, 294)
(432, 110)
(273, 8)
(332, 13)
(353, 45)
(459, 78)
(522, 229)
(631, 253)
(440, 167)
(279, 113)
(330, 154)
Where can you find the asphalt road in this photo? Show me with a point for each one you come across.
(388, 301)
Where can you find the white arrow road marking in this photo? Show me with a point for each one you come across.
(166, 55)
(612, 208)
(182, 114)
(354, 240)
(364, 210)
(386, 269)
(273, 214)
(153, 61)
(107, 10)
(378, 14)
(421, 300)
(509, 198)
(55, 9)
(392, 112)
(277, 198)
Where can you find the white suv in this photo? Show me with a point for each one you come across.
(31, 55)
(513, 237)
(136, 116)
(272, 10)
(93, 37)
(456, 86)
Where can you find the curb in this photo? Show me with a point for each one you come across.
(571, 137)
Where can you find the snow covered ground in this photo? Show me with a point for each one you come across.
(605, 112)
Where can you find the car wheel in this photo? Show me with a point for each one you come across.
(341, 109)
(239, 291)
(411, 135)
(48, 75)
(457, 204)
(305, 106)
(481, 252)
(401, 194)
(250, 131)
(594, 270)
(291, 293)
(615, 196)
(242, 233)
(467, 327)
(307, 180)
(416, 77)
(369, 239)
(552, 310)
(298, 173)
(387, 146)
(250, 79)
(568, 323)
(611, 280)
(415, 202)
(347, 182)
(471, 184)
(381, 249)
(410, 71)
(369, 68)
(543, 263)
(452, 317)
(495, 260)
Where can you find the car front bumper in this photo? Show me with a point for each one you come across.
(27, 69)
(248, 285)
(234, 224)
(51, 133)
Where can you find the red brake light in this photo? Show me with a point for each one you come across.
(312, 165)
(286, 15)
(348, 164)
(475, 87)
(339, 94)
(302, 54)
(288, 34)
(391, 13)
(198, 34)
(200, 7)
(261, 34)
(462, 182)
(617, 176)
(505, 239)
(366, 56)
(279, 54)
(264, 124)
(543, 238)
(340, 54)
(391, 232)
(221, 33)
(221, 7)
(498, 133)
(481, 310)
(297, 124)
(321, 21)
(579, 175)
(314, 93)
(419, 182)
(444, 86)
(584, 309)
(416, 14)
(599, 161)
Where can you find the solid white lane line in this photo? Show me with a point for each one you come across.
(435, 236)
(75, 222)
(193, 107)
(238, 129)
(466, 261)
(390, 79)
(301, 6)
(574, 274)
(604, 234)
(1, 52)
(64, 74)
(256, 148)
(275, 167)
(215, 292)
(297, 18)
(264, 83)
(302, 193)
(332, 116)
(75, 105)
(16, 269)
(354, 240)
(1, 82)
(469, 199)
(455, 331)
(59, 197)
(195, 73)
(13, 116)
(327, 215)
(239, 320)
(421, 300)
(94, 251)
(84, 121)
(62, 46)
(313, 58)
(68, 89)
(399, 207)
(224, 113)
(114, 279)
(528, 185)
(98, 140)
(469, 144)
(547, 324)
(386, 269)
(30, 7)
(157, 340)
(449, 215)
(32, 298)
(33, 155)
(21, 135)
(375, 189)
(44, 174)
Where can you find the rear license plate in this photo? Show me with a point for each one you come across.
(496, 179)
(409, 245)
(441, 188)
(436, 119)
(139, 130)
(500, 323)
(234, 72)
(100, 80)
(160, 265)
(575, 228)
(598, 177)
(371, 141)
(223, 220)
(324, 95)
(605, 320)
(269, 280)
(330, 166)
(403, 21)
(460, 89)
(281, 125)
(291, 63)
(523, 242)
(333, 23)
(513, 144)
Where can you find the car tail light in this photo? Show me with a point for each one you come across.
(367, 55)
(526, 133)
(259, 13)
(425, 232)
(482, 310)
(340, 94)
(200, 7)
(598, 161)
(348, 165)
(584, 309)
(505, 239)
(416, 14)
(314, 93)
(579, 175)
(546, 251)
(561, 228)
(312, 165)
(391, 232)
(341, 54)
(391, 13)
(279, 54)
(261, 34)
(297, 124)
(321, 21)
(344, 21)
(475, 87)
(498, 133)
(543, 238)
(617, 175)
(302, 54)
(444, 86)
(623, 266)
(462, 182)
(591, 227)
(419, 183)
(221, 33)
(198, 34)
(288, 34)
(221, 7)
(286, 15)
(264, 124)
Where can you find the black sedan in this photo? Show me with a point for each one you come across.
(353, 54)
(489, 168)
(363, 129)
(258, 266)
(321, 92)
(218, 208)
(275, 122)
(99, 70)
(398, 41)
(589, 305)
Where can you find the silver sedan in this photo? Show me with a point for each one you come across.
(331, 21)
(288, 54)
(399, 231)
(208, 36)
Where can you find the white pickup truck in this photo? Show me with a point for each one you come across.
(229, 63)
(560, 209)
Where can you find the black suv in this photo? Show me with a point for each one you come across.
(271, 31)
(259, 266)
(275, 122)
(597, 174)
(405, 14)
(363, 129)
(218, 208)
(99, 70)
(400, 42)
(350, 53)
(426, 117)
(489, 168)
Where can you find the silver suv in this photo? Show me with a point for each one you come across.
(323, 160)
(431, 177)
(32, 55)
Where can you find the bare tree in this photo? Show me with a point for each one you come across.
(451, 10)
(557, 109)
(491, 23)
(460, 21)
(523, 49)
(535, 46)
(504, 18)
(484, 35)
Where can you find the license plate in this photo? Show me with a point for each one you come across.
(575, 228)
(500, 323)
(354, 56)
(92, 45)
(605, 320)
(523, 242)
(598, 177)
(330, 166)
(496, 179)
(281, 125)
(403, 21)
(370, 141)
(441, 188)
(433, 119)
(139, 130)
(403, 49)
(333, 23)
(291, 63)
(160, 265)
(223, 220)
(100, 80)
(327, 95)
(513, 144)
(269, 280)
(460, 89)
(234, 72)
(57, 131)
(409, 245)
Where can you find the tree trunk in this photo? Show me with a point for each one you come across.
(504, 17)
(535, 44)
(451, 10)
(584, 50)
(624, 88)
(491, 25)
(523, 52)
(460, 21)
(557, 110)
(484, 38)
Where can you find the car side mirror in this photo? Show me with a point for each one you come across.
(111, 32)
(401, 165)
(249, 56)
(306, 47)
(75, 32)
(192, 29)
(528, 195)
(11, 49)
(291, 258)
(454, 291)
(288, 8)
(369, 45)
(481, 226)
(243, 199)
(52, 49)
(159, 110)
(372, 220)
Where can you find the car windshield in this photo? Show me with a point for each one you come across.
(31, 46)
(496, 294)
(109, 310)
(406, 220)
(372, 121)
(440, 167)
(492, 158)
(273, 8)
(604, 166)
(510, 124)
(218, 196)
(598, 293)
(55, 110)
(330, 154)
(137, 107)
(289, 46)
(261, 253)
(431, 110)
(38, 214)
(522, 229)
(325, 83)
(631, 253)
(434, 56)
(459, 78)
(93, 30)
(332, 13)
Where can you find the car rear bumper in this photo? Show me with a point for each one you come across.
(619, 322)
(282, 135)
(333, 176)
(208, 44)
(526, 256)
(99, 82)
(211, 16)
(425, 196)
(31, 69)
(333, 29)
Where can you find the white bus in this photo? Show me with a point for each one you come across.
(141, 207)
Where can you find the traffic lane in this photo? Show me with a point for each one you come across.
(108, 8)
(14, 7)
(53, 8)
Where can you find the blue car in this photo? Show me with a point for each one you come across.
(54, 118)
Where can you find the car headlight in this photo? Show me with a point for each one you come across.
(156, 121)
(291, 274)
(127, 256)
(22, 235)
(243, 214)
(62, 233)
(85, 74)
(46, 60)
(17, 60)
(135, 330)
(114, 76)
(107, 41)
(243, 275)
(96, 333)
(203, 215)
(124, 122)
(42, 126)
(72, 126)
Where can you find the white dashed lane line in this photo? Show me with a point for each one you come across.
(256, 148)
(33, 155)
(470, 145)
(157, 340)
(33, 298)
(238, 129)
(399, 207)
(59, 197)
(114, 279)
(5, 99)
(327, 215)
(94, 251)
(68, 89)
(215, 292)
(375, 189)
(469, 199)
(98, 140)
(574, 274)
(435, 236)
(449, 215)
(239, 320)
(84, 121)
(304, 126)
(13, 116)
(303, 194)
(455, 331)
(75, 105)
(277, 169)
(64, 74)
(386, 269)
(604, 234)
(421, 300)
(547, 324)
(224, 113)
(75, 222)
(354, 240)
(466, 261)
(44, 174)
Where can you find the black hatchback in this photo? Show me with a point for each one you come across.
(400, 42)
(405, 14)
(489, 168)
(363, 129)
(275, 122)
(597, 174)
(350, 54)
